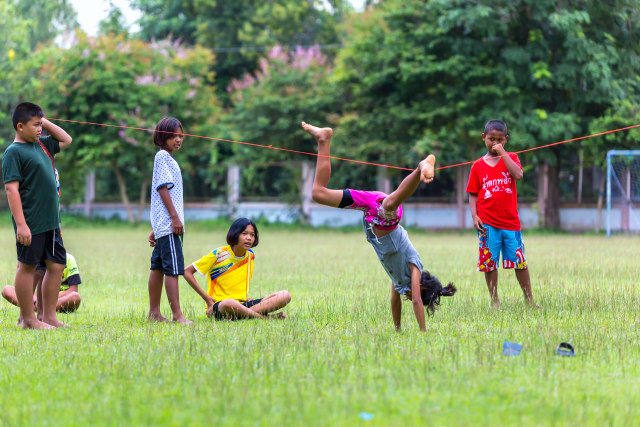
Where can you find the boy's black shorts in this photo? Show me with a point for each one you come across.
(44, 246)
(247, 304)
(167, 255)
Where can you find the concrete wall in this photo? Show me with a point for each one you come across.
(423, 215)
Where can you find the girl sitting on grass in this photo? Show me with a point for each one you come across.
(229, 270)
(382, 213)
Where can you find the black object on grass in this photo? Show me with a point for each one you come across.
(565, 349)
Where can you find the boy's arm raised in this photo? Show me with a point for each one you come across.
(57, 133)
(23, 233)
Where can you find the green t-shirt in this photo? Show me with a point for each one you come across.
(28, 164)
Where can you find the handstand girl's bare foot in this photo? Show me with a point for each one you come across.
(427, 168)
(156, 318)
(321, 135)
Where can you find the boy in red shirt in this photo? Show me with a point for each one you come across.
(493, 202)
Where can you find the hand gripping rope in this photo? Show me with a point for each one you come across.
(341, 158)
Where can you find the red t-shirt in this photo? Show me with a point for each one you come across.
(497, 196)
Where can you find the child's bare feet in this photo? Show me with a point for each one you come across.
(320, 134)
(183, 321)
(56, 323)
(532, 304)
(427, 168)
(35, 324)
(156, 318)
(495, 305)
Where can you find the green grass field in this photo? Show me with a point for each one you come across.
(337, 355)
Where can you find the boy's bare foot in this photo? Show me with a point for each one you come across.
(156, 318)
(35, 324)
(427, 168)
(320, 134)
(183, 321)
(56, 323)
(532, 304)
(495, 305)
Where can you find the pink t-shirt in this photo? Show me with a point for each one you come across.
(370, 203)
(497, 196)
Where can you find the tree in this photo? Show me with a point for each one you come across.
(426, 76)
(268, 107)
(112, 80)
(25, 25)
(241, 31)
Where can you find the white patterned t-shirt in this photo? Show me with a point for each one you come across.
(165, 172)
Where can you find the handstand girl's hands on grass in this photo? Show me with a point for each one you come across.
(382, 214)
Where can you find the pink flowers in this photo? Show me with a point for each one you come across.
(280, 60)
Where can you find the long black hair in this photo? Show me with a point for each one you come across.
(432, 290)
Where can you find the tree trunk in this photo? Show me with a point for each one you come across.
(462, 176)
(122, 185)
(543, 190)
(143, 198)
(233, 189)
(580, 176)
(552, 203)
(307, 172)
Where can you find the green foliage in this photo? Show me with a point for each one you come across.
(115, 22)
(412, 77)
(243, 26)
(428, 75)
(112, 80)
(268, 109)
(25, 25)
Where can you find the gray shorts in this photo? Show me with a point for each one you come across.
(395, 253)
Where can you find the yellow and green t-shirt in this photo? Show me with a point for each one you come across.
(228, 276)
(70, 275)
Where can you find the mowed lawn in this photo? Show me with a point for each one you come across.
(337, 356)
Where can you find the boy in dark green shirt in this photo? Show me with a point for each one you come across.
(30, 184)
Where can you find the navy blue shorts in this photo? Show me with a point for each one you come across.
(44, 246)
(167, 255)
(247, 304)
